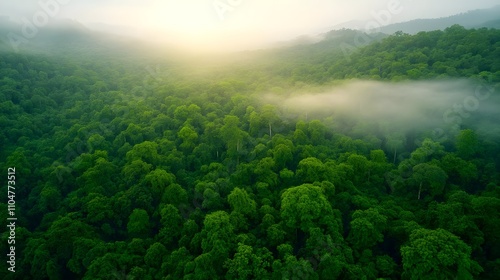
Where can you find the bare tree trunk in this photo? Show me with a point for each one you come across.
(238, 152)
(419, 190)
(270, 132)
(394, 161)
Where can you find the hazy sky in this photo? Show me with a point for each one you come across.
(237, 23)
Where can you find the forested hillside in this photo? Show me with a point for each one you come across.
(139, 169)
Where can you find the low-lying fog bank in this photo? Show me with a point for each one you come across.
(440, 107)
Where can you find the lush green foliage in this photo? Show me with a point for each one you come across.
(192, 177)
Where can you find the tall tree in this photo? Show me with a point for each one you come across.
(437, 254)
(240, 201)
(304, 206)
(138, 224)
(367, 227)
(467, 143)
(430, 178)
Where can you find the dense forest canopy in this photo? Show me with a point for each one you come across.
(326, 160)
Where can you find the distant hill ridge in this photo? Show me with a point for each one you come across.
(489, 18)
